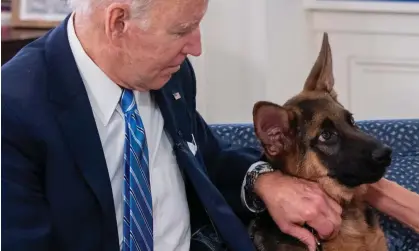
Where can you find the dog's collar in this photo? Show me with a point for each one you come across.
(319, 246)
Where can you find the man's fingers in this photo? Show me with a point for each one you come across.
(336, 221)
(324, 227)
(302, 234)
(328, 217)
(333, 213)
(329, 224)
(334, 205)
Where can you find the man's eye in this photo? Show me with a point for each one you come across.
(186, 31)
(182, 33)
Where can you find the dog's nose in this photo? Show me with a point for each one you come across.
(382, 154)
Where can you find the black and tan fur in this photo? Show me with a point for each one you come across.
(312, 136)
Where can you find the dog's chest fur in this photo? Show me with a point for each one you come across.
(360, 231)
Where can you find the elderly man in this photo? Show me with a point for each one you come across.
(102, 148)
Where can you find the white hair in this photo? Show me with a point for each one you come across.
(138, 7)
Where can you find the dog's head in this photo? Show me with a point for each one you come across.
(314, 137)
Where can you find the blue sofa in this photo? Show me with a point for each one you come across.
(401, 135)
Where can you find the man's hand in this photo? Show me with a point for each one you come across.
(293, 202)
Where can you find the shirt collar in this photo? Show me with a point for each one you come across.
(103, 93)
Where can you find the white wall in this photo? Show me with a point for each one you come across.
(233, 68)
(263, 50)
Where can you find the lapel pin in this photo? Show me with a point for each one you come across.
(176, 95)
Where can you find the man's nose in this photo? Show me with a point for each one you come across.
(194, 46)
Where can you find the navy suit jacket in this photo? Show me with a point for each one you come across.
(56, 191)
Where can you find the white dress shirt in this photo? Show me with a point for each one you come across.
(171, 221)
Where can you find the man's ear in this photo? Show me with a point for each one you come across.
(321, 75)
(273, 127)
(116, 17)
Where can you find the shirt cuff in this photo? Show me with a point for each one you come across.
(249, 198)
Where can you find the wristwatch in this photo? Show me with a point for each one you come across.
(252, 200)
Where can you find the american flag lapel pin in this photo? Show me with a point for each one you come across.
(176, 95)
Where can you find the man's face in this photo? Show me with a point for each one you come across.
(151, 54)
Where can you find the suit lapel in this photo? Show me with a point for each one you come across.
(170, 125)
(75, 117)
(178, 124)
(172, 106)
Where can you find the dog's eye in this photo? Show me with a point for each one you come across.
(351, 120)
(327, 136)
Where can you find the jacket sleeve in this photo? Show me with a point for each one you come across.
(227, 165)
(25, 217)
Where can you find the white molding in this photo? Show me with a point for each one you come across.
(376, 64)
(361, 22)
(375, 105)
(362, 6)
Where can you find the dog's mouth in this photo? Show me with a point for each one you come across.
(370, 173)
(365, 169)
(352, 181)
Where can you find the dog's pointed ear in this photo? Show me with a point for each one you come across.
(273, 127)
(321, 75)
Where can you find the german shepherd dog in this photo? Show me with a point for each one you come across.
(312, 136)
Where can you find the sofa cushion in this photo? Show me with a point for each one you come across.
(405, 171)
(401, 135)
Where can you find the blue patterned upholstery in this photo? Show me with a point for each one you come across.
(401, 135)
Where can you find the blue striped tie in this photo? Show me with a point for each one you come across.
(138, 216)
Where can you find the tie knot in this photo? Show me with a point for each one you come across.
(127, 101)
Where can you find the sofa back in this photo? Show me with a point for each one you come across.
(402, 134)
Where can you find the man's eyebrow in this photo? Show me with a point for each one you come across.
(187, 25)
